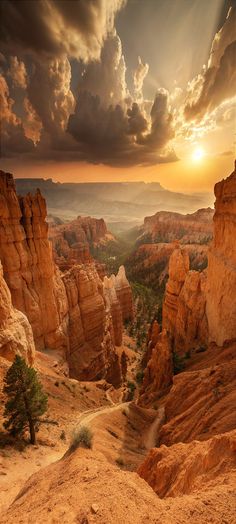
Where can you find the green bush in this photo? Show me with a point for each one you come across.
(82, 437)
(139, 377)
(178, 363)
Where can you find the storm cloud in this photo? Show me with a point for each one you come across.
(217, 81)
(55, 27)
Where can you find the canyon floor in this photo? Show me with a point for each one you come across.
(110, 491)
(116, 424)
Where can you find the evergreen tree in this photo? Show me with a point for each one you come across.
(26, 399)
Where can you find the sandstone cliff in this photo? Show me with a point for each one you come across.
(221, 281)
(199, 308)
(91, 345)
(184, 315)
(124, 294)
(67, 312)
(16, 335)
(187, 468)
(149, 263)
(72, 241)
(35, 284)
(165, 226)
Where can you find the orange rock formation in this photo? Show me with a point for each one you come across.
(15, 331)
(71, 242)
(66, 312)
(221, 281)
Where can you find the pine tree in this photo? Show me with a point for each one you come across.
(26, 399)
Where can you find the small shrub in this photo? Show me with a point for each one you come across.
(63, 435)
(132, 387)
(57, 384)
(82, 437)
(120, 461)
(178, 363)
(139, 377)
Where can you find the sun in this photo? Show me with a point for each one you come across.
(198, 154)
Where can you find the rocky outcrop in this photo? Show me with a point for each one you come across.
(124, 294)
(187, 468)
(221, 281)
(16, 335)
(91, 348)
(113, 305)
(159, 371)
(165, 226)
(149, 263)
(119, 301)
(184, 315)
(34, 282)
(72, 241)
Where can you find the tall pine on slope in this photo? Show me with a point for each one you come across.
(26, 399)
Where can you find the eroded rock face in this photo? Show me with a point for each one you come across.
(185, 468)
(113, 305)
(124, 294)
(90, 332)
(16, 335)
(184, 315)
(35, 285)
(221, 282)
(71, 242)
(67, 312)
(166, 226)
(159, 371)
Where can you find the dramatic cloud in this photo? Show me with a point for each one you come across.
(94, 116)
(56, 27)
(13, 139)
(18, 72)
(106, 78)
(108, 125)
(50, 95)
(139, 76)
(218, 80)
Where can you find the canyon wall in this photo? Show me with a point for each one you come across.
(90, 330)
(71, 242)
(34, 282)
(16, 335)
(166, 226)
(184, 307)
(221, 281)
(199, 308)
(68, 312)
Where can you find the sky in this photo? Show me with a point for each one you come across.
(115, 90)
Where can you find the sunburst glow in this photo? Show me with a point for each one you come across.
(198, 154)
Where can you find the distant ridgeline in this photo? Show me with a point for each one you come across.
(127, 201)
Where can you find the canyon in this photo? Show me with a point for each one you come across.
(167, 455)
(67, 311)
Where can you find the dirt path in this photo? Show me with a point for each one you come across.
(89, 415)
(151, 439)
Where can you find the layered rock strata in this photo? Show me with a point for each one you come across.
(221, 280)
(34, 282)
(68, 312)
(16, 335)
(184, 308)
(166, 226)
(72, 241)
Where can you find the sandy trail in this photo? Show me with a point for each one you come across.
(151, 438)
(89, 415)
